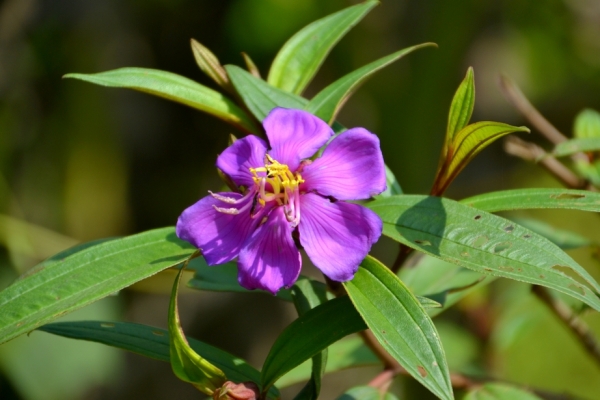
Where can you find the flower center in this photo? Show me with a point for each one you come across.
(277, 183)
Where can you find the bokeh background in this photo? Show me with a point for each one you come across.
(80, 162)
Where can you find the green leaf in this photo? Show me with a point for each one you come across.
(483, 242)
(328, 102)
(439, 280)
(346, 353)
(222, 278)
(259, 96)
(533, 198)
(587, 124)
(66, 284)
(150, 342)
(465, 145)
(366, 393)
(302, 55)
(176, 88)
(461, 107)
(573, 146)
(308, 294)
(562, 238)
(308, 335)
(188, 365)
(400, 325)
(499, 391)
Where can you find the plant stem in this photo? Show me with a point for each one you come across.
(578, 327)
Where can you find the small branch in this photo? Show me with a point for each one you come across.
(514, 95)
(532, 152)
(403, 253)
(564, 313)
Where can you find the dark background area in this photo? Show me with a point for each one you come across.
(80, 162)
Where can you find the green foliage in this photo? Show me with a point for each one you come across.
(498, 391)
(483, 242)
(534, 198)
(308, 335)
(176, 88)
(188, 365)
(302, 55)
(366, 393)
(75, 278)
(328, 102)
(400, 325)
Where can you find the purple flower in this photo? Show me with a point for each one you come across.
(286, 195)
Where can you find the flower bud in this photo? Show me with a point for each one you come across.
(237, 391)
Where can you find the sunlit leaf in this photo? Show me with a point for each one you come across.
(483, 242)
(308, 294)
(308, 335)
(366, 393)
(176, 88)
(462, 106)
(465, 145)
(400, 325)
(188, 365)
(533, 198)
(258, 95)
(302, 55)
(328, 102)
(210, 65)
(573, 146)
(587, 124)
(499, 391)
(441, 281)
(346, 353)
(67, 283)
(563, 238)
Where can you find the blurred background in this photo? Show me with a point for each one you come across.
(80, 162)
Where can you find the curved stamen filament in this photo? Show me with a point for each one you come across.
(275, 182)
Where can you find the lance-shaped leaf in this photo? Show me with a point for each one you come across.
(308, 335)
(573, 146)
(532, 198)
(587, 124)
(499, 391)
(176, 88)
(328, 102)
(210, 65)
(151, 342)
(563, 238)
(483, 242)
(302, 55)
(346, 353)
(71, 280)
(465, 145)
(258, 95)
(308, 294)
(462, 106)
(400, 325)
(188, 365)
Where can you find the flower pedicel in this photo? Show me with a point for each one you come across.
(285, 192)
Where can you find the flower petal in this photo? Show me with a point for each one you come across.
(270, 259)
(295, 135)
(337, 236)
(351, 167)
(219, 235)
(243, 154)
